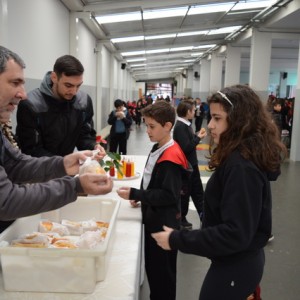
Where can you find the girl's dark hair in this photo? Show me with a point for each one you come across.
(250, 130)
(161, 111)
(184, 106)
(68, 65)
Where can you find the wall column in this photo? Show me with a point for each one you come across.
(204, 79)
(216, 72)
(295, 145)
(260, 60)
(232, 66)
(74, 38)
(3, 24)
(99, 123)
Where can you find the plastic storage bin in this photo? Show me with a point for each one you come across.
(59, 270)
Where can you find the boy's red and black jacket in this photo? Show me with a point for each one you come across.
(175, 155)
(161, 200)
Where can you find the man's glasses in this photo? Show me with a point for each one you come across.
(226, 98)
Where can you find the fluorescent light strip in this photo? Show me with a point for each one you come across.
(136, 59)
(166, 50)
(139, 65)
(212, 8)
(224, 30)
(253, 4)
(161, 36)
(190, 33)
(181, 11)
(173, 35)
(128, 39)
(117, 18)
(165, 13)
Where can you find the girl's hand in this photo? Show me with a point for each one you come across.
(134, 204)
(162, 238)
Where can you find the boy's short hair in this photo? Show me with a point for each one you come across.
(118, 103)
(161, 111)
(184, 106)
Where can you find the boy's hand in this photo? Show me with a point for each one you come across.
(202, 133)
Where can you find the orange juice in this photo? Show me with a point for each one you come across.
(119, 174)
(132, 169)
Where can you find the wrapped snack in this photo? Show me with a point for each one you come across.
(74, 228)
(90, 239)
(64, 243)
(101, 224)
(91, 166)
(89, 225)
(48, 226)
(33, 240)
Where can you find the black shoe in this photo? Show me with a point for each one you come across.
(185, 224)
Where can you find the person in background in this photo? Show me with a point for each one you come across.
(184, 135)
(246, 153)
(138, 113)
(159, 194)
(31, 185)
(276, 115)
(199, 114)
(120, 122)
(57, 117)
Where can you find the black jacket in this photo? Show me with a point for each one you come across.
(237, 213)
(187, 140)
(47, 126)
(161, 200)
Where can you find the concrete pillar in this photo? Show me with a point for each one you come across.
(74, 37)
(232, 66)
(283, 84)
(99, 123)
(196, 81)
(204, 84)
(295, 145)
(3, 24)
(216, 69)
(260, 60)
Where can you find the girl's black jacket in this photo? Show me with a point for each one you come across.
(237, 213)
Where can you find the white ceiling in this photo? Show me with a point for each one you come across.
(282, 19)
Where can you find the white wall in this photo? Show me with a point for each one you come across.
(41, 30)
(38, 30)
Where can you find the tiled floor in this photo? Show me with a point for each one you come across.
(282, 271)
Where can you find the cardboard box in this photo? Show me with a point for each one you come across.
(59, 270)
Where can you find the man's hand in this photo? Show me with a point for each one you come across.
(101, 152)
(73, 161)
(95, 184)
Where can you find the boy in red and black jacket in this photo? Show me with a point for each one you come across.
(165, 171)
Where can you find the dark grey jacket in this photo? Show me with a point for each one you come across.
(21, 195)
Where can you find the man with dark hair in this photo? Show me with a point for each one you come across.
(31, 185)
(57, 117)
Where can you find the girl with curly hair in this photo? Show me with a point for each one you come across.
(245, 155)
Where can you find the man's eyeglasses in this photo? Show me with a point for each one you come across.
(226, 98)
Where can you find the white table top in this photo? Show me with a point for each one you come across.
(124, 270)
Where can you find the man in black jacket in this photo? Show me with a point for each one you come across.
(57, 117)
